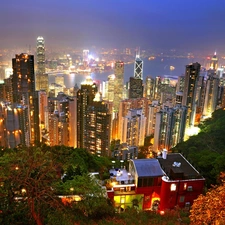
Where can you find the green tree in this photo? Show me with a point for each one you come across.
(27, 176)
(30, 185)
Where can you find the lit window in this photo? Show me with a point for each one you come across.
(189, 188)
(185, 186)
(122, 199)
(173, 187)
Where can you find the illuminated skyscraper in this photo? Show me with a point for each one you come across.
(118, 84)
(190, 91)
(136, 84)
(214, 62)
(85, 97)
(134, 126)
(157, 88)
(111, 80)
(62, 120)
(23, 78)
(23, 83)
(169, 127)
(41, 77)
(211, 94)
(40, 55)
(138, 67)
(149, 88)
(98, 128)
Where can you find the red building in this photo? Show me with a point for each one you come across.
(156, 184)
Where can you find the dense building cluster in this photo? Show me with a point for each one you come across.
(94, 115)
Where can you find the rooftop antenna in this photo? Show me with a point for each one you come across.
(138, 52)
(29, 49)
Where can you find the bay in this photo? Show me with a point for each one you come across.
(157, 67)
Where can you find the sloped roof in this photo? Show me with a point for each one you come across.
(148, 168)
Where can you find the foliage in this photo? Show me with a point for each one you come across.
(209, 208)
(31, 184)
(206, 151)
(33, 175)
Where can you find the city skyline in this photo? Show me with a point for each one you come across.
(186, 24)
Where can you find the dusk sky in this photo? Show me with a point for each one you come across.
(180, 24)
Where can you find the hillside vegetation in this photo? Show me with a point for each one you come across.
(206, 151)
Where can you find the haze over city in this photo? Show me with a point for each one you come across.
(112, 112)
(166, 24)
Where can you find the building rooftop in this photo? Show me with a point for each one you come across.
(177, 167)
(121, 176)
(148, 168)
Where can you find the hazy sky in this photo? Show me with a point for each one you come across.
(116, 23)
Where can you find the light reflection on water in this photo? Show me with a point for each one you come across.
(153, 68)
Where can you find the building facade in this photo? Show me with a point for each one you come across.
(190, 91)
(155, 184)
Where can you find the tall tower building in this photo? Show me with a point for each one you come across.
(138, 66)
(151, 117)
(211, 94)
(111, 80)
(41, 76)
(149, 88)
(118, 84)
(98, 128)
(40, 55)
(85, 97)
(136, 83)
(169, 127)
(157, 88)
(23, 83)
(23, 78)
(214, 62)
(190, 90)
(134, 125)
(136, 88)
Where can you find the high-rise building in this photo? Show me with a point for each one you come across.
(169, 127)
(41, 77)
(136, 88)
(40, 55)
(23, 83)
(98, 128)
(43, 112)
(85, 97)
(129, 104)
(180, 84)
(23, 78)
(157, 88)
(111, 79)
(136, 83)
(211, 94)
(151, 117)
(62, 120)
(118, 84)
(134, 126)
(138, 67)
(190, 90)
(214, 62)
(149, 88)
(14, 126)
